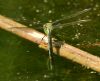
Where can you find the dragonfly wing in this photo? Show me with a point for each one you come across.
(24, 29)
(72, 16)
(30, 22)
(71, 23)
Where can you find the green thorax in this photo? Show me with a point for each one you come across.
(47, 28)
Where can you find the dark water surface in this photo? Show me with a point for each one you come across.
(22, 60)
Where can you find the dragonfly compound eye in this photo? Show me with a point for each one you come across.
(44, 26)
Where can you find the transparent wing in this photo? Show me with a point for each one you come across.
(38, 26)
(26, 28)
(27, 21)
(71, 23)
(73, 15)
(22, 29)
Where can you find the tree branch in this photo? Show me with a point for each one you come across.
(65, 50)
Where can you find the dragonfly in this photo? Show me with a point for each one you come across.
(48, 27)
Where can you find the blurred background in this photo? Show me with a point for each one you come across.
(22, 60)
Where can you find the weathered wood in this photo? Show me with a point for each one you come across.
(66, 51)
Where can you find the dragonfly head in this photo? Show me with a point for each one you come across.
(48, 26)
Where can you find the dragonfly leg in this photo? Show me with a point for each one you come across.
(42, 44)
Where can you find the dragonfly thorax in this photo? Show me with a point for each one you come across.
(47, 27)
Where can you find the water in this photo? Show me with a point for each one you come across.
(21, 60)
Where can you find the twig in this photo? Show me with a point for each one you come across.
(66, 51)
